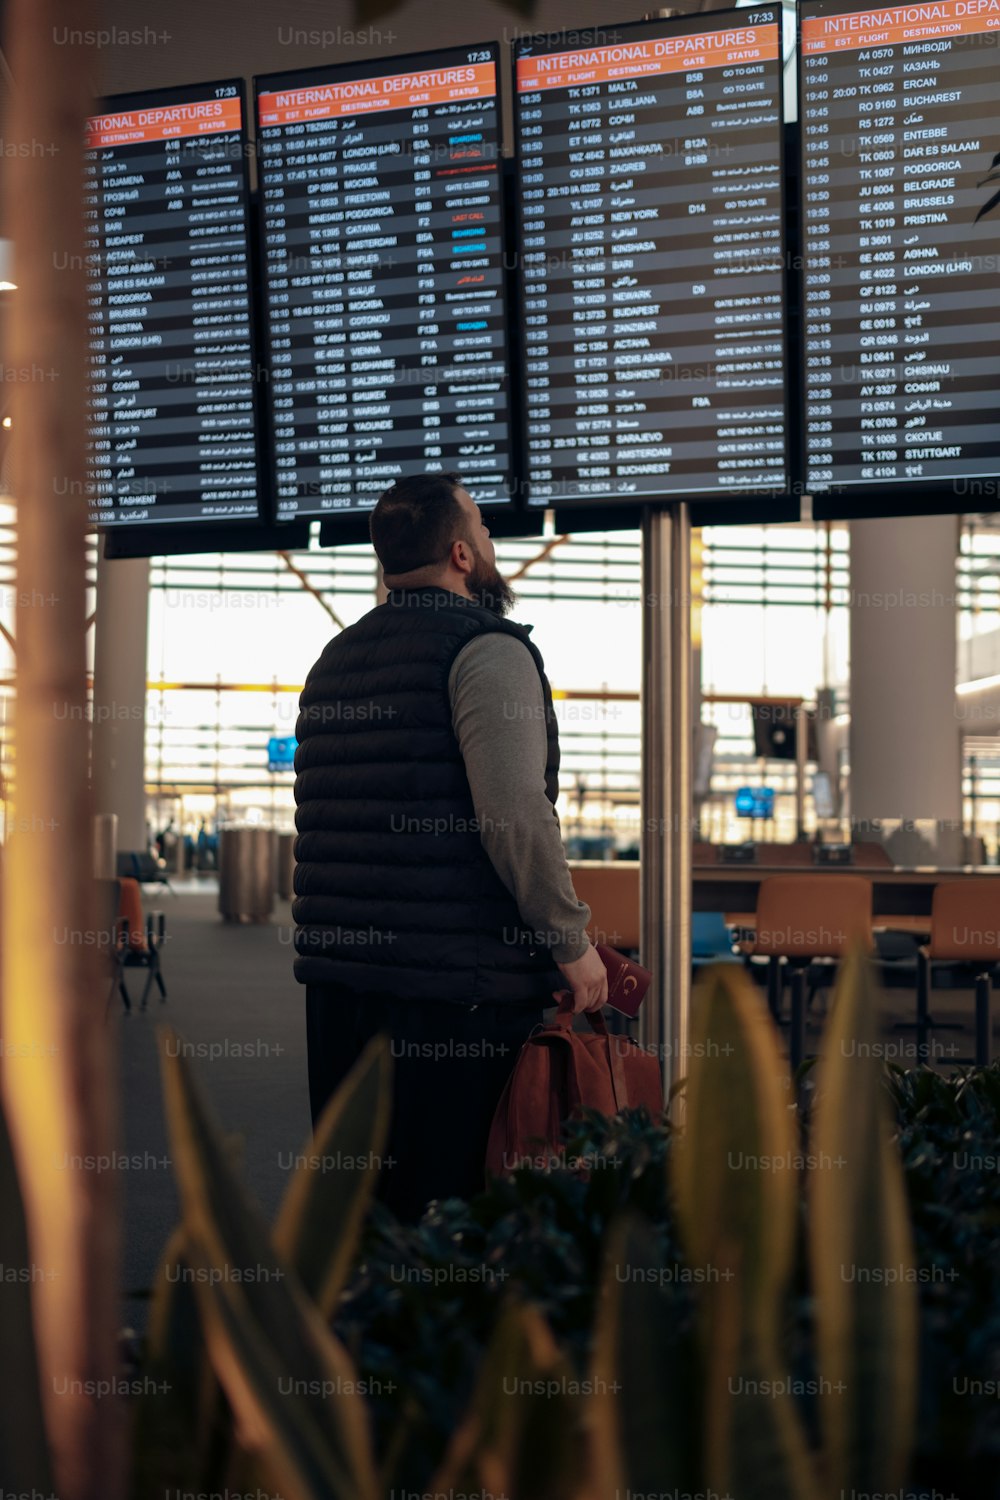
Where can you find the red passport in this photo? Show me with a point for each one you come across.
(627, 981)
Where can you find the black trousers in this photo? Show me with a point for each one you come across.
(450, 1064)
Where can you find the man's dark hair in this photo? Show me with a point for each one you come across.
(416, 520)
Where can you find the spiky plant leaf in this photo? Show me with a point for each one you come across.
(291, 1436)
(522, 1433)
(324, 1207)
(861, 1253)
(643, 1411)
(219, 1217)
(736, 1184)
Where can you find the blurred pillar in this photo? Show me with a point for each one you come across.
(59, 1083)
(905, 743)
(120, 650)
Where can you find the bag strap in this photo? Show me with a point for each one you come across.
(564, 1018)
(566, 1015)
(618, 1081)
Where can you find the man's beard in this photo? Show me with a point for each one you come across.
(488, 588)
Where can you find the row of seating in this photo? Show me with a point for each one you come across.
(804, 921)
(802, 927)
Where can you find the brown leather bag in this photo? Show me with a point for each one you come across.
(560, 1070)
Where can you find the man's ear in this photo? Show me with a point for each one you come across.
(461, 555)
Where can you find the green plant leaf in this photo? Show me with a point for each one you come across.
(24, 1454)
(522, 1433)
(861, 1252)
(291, 1437)
(642, 1415)
(753, 1431)
(325, 1205)
(231, 1234)
(169, 1443)
(737, 1117)
(736, 1185)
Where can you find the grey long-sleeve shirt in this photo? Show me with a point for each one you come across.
(498, 713)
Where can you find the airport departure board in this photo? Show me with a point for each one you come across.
(383, 265)
(653, 260)
(900, 114)
(172, 433)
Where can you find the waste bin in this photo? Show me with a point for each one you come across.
(247, 858)
(286, 864)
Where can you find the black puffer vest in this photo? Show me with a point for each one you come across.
(394, 892)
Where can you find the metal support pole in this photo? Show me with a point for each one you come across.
(984, 1020)
(801, 756)
(666, 802)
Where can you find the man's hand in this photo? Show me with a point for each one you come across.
(588, 981)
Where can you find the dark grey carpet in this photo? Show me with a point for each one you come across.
(241, 1015)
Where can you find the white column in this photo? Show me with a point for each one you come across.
(905, 745)
(119, 740)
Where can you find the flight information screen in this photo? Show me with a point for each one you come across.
(652, 265)
(172, 434)
(383, 261)
(900, 114)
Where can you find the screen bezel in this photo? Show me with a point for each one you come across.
(373, 67)
(757, 506)
(139, 100)
(505, 521)
(173, 541)
(856, 502)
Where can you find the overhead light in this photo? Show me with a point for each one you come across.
(6, 422)
(978, 685)
(7, 266)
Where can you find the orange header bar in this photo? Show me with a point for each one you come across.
(162, 122)
(657, 55)
(326, 101)
(900, 23)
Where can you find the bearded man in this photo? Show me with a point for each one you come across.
(433, 901)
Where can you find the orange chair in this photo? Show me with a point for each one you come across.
(965, 928)
(802, 918)
(130, 913)
(134, 942)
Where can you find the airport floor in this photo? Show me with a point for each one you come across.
(240, 1016)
